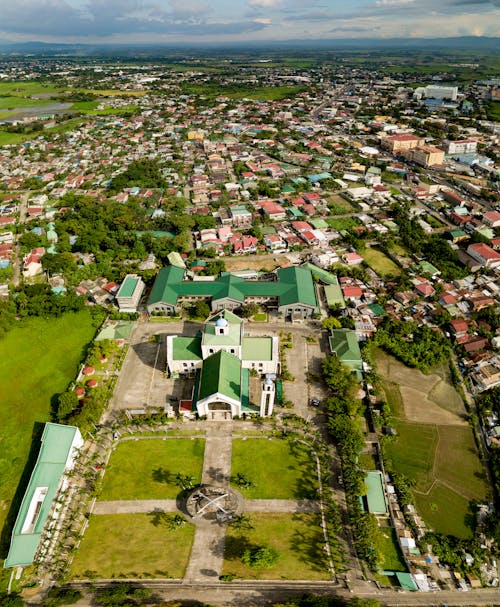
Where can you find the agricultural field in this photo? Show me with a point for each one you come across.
(40, 358)
(146, 469)
(285, 470)
(434, 445)
(297, 538)
(263, 93)
(379, 262)
(132, 545)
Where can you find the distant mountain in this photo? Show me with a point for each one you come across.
(464, 43)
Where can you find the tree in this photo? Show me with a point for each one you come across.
(67, 403)
(260, 557)
(330, 323)
(249, 310)
(201, 309)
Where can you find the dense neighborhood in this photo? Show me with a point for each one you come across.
(321, 263)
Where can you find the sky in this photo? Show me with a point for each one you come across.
(168, 21)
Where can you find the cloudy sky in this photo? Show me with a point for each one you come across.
(157, 21)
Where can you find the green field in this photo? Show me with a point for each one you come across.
(39, 359)
(388, 547)
(132, 545)
(379, 262)
(278, 469)
(146, 468)
(297, 538)
(343, 223)
(262, 93)
(7, 138)
(90, 108)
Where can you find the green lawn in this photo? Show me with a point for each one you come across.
(27, 88)
(262, 93)
(132, 545)
(388, 547)
(278, 469)
(7, 138)
(367, 461)
(379, 262)
(39, 359)
(412, 452)
(297, 538)
(146, 468)
(458, 463)
(445, 511)
(343, 223)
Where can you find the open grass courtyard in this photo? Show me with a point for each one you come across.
(277, 468)
(379, 262)
(297, 538)
(146, 468)
(39, 358)
(132, 545)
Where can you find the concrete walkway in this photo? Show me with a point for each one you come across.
(207, 554)
(280, 506)
(218, 448)
(134, 506)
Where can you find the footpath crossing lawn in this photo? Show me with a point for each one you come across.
(146, 468)
(132, 545)
(39, 358)
(277, 468)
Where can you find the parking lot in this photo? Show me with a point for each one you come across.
(144, 383)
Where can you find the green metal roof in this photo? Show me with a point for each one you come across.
(294, 286)
(319, 224)
(333, 294)
(221, 373)
(186, 348)
(128, 286)
(228, 315)
(119, 330)
(49, 468)
(300, 286)
(323, 275)
(257, 348)
(344, 344)
(210, 337)
(406, 581)
(377, 309)
(375, 493)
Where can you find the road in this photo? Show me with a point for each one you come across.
(23, 207)
(262, 593)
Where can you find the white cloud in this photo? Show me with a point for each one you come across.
(264, 3)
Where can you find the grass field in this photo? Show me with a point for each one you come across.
(131, 545)
(39, 359)
(146, 469)
(379, 262)
(445, 511)
(296, 537)
(277, 468)
(90, 108)
(263, 93)
(7, 138)
(343, 223)
(438, 451)
(388, 547)
(114, 93)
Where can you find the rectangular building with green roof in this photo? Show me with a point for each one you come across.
(293, 292)
(130, 292)
(60, 445)
(344, 344)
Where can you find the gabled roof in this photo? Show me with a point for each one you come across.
(57, 442)
(221, 374)
(294, 286)
(344, 344)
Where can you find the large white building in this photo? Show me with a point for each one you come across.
(432, 91)
(222, 358)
